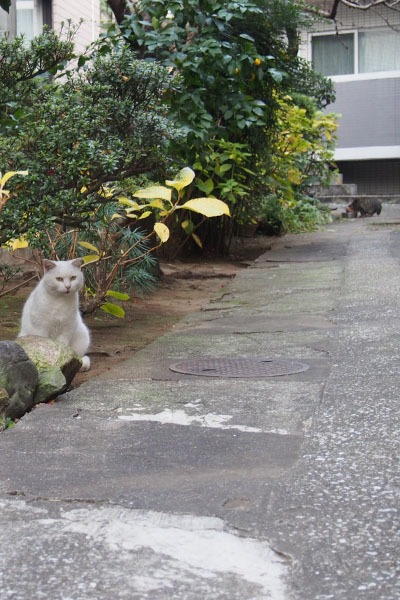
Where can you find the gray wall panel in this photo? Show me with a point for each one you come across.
(370, 112)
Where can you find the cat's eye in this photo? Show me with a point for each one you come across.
(73, 277)
(59, 278)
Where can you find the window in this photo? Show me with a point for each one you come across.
(26, 17)
(28, 20)
(356, 52)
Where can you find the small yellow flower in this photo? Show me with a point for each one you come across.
(257, 62)
(236, 71)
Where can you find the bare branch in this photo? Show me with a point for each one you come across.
(313, 7)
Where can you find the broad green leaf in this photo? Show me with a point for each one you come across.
(209, 207)
(89, 246)
(89, 258)
(113, 309)
(118, 295)
(162, 231)
(146, 214)
(205, 186)
(10, 174)
(154, 191)
(183, 179)
(197, 240)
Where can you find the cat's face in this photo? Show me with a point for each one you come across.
(63, 277)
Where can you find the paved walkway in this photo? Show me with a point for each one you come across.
(147, 483)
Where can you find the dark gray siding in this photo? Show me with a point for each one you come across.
(370, 112)
(372, 176)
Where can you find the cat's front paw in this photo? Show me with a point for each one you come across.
(85, 364)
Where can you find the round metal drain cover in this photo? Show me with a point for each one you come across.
(239, 367)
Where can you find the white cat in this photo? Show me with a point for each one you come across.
(52, 308)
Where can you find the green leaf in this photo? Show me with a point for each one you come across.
(187, 226)
(205, 186)
(113, 309)
(118, 295)
(276, 74)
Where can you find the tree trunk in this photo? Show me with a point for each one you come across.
(119, 9)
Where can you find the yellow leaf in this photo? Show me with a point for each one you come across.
(115, 216)
(83, 189)
(184, 224)
(294, 176)
(17, 243)
(164, 213)
(146, 214)
(154, 191)
(89, 246)
(197, 239)
(89, 258)
(7, 176)
(209, 207)
(162, 231)
(106, 193)
(131, 215)
(157, 204)
(184, 178)
(128, 202)
(328, 134)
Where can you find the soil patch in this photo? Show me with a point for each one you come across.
(185, 286)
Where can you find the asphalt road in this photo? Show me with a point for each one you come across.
(152, 484)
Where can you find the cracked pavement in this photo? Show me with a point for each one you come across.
(147, 483)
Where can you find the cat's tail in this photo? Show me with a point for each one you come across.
(85, 363)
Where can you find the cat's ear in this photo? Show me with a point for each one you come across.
(48, 265)
(77, 262)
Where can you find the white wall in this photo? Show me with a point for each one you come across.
(87, 10)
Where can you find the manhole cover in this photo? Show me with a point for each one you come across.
(239, 367)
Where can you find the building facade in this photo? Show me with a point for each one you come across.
(361, 54)
(29, 16)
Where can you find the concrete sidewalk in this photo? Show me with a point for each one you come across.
(147, 483)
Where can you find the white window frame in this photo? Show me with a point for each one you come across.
(356, 76)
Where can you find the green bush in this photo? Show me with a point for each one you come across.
(103, 123)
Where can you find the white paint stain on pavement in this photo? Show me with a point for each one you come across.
(184, 547)
(180, 417)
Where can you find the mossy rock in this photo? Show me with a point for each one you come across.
(18, 381)
(56, 363)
